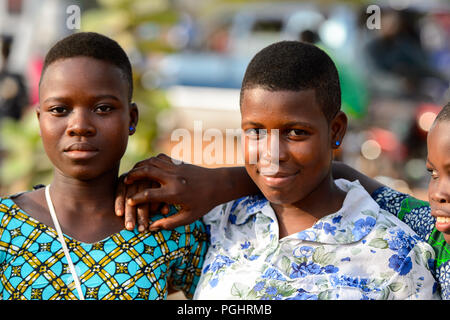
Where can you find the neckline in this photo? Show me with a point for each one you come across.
(326, 229)
(53, 230)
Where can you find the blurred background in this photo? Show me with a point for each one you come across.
(189, 57)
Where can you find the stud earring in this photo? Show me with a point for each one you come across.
(131, 128)
(338, 143)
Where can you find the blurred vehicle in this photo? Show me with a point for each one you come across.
(222, 61)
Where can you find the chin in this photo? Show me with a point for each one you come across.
(82, 173)
(280, 197)
(84, 176)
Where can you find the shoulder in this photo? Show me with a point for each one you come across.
(386, 195)
(398, 236)
(8, 207)
(184, 235)
(236, 211)
(414, 212)
(389, 198)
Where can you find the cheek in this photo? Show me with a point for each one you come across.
(431, 188)
(309, 154)
(116, 135)
(250, 148)
(50, 133)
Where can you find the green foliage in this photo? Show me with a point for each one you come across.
(25, 163)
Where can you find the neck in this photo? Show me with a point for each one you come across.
(73, 197)
(325, 199)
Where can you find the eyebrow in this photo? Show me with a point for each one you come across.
(98, 97)
(298, 123)
(446, 166)
(289, 124)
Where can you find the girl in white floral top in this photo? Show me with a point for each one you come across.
(308, 236)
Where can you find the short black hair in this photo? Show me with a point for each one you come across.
(444, 114)
(295, 66)
(93, 45)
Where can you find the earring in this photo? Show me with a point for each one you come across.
(131, 128)
(338, 143)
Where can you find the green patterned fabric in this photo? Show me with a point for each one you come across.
(437, 241)
(126, 265)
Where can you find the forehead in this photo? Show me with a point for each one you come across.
(440, 133)
(83, 75)
(261, 105)
(438, 142)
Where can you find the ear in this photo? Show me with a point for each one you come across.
(37, 108)
(134, 117)
(338, 127)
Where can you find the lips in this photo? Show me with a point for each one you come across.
(80, 151)
(279, 179)
(442, 219)
(80, 146)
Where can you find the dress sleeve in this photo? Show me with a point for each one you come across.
(414, 212)
(186, 271)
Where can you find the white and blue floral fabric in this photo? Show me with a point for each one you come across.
(359, 252)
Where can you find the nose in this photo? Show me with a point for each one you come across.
(273, 152)
(273, 149)
(441, 192)
(80, 124)
(440, 198)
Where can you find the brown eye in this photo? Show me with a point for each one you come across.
(295, 133)
(104, 108)
(58, 110)
(255, 133)
(434, 173)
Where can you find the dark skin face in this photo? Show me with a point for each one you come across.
(84, 118)
(438, 163)
(306, 141)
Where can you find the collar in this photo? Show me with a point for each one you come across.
(351, 223)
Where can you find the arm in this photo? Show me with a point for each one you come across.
(196, 190)
(341, 170)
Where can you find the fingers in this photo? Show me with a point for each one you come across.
(148, 196)
(130, 211)
(161, 161)
(165, 209)
(181, 218)
(147, 172)
(154, 205)
(142, 211)
(119, 202)
(165, 158)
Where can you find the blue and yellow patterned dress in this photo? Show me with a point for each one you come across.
(125, 265)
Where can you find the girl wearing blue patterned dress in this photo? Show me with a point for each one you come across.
(62, 241)
(306, 235)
